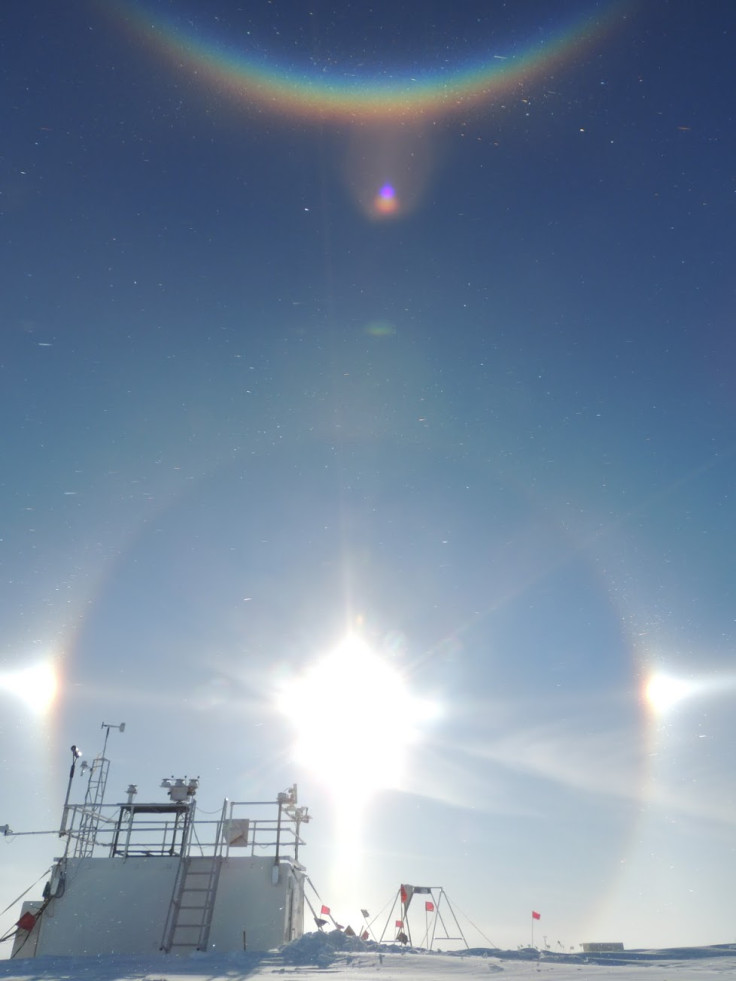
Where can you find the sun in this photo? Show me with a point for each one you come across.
(354, 719)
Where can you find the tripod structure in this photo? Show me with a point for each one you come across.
(438, 912)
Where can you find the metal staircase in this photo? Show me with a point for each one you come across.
(193, 898)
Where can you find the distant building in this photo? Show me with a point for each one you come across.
(604, 948)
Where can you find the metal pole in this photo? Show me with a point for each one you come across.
(76, 753)
(278, 833)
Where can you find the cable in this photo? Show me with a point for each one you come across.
(476, 928)
(380, 914)
(10, 905)
(314, 889)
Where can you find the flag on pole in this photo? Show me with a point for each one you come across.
(399, 924)
(325, 911)
(535, 915)
(365, 914)
(429, 907)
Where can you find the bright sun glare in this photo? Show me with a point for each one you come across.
(664, 692)
(354, 719)
(36, 685)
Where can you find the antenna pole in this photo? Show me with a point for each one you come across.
(107, 726)
(76, 753)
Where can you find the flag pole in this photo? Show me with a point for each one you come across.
(535, 916)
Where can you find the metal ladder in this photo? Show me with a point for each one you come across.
(192, 903)
(90, 815)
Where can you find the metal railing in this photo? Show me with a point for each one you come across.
(173, 829)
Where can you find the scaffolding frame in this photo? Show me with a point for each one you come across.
(434, 896)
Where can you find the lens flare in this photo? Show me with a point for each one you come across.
(388, 168)
(385, 202)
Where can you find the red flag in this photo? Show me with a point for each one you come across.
(365, 935)
(399, 924)
(535, 915)
(429, 907)
(27, 921)
(325, 911)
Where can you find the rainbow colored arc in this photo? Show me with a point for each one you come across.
(283, 89)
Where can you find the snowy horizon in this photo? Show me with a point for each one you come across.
(318, 955)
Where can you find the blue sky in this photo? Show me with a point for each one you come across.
(491, 439)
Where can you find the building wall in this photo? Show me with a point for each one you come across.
(119, 906)
(109, 906)
(249, 902)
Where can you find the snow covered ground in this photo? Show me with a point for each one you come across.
(316, 956)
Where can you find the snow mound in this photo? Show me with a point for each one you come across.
(321, 949)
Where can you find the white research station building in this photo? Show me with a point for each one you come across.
(140, 878)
